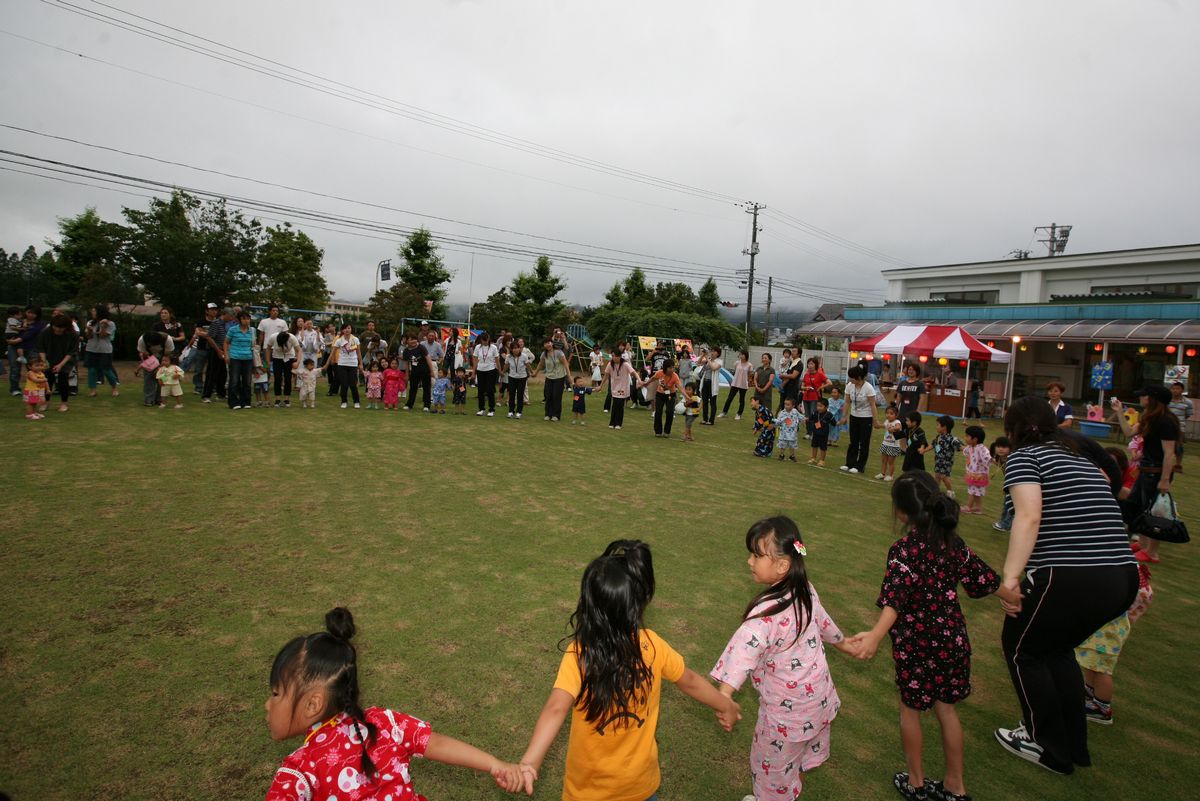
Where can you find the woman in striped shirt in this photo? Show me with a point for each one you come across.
(1069, 570)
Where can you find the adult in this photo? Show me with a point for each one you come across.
(557, 369)
(874, 372)
(1161, 436)
(654, 366)
(312, 344)
(973, 398)
(559, 338)
(1180, 406)
(216, 378)
(858, 414)
(346, 357)
(909, 391)
(739, 384)
(789, 376)
(485, 359)
(154, 344)
(813, 383)
(1063, 413)
(100, 332)
(58, 343)
(270, 327)
(710, 385)
(617, 377)
(433, 345)
(12, 338)
(202, 351)
(172, 328)
(328, 335)
(764, 382)
(666, 386)
(684, 363)
(239, 360)
(516, 369)
(1068, 571)
(283, 351)
(622, 350)
(420, 372)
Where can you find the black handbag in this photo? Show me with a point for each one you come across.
(1155, 524)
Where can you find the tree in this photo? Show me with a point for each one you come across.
(290, 264)
(90, 245)
(397, 302)
(424, 270)
(496, 312)
(636, 292)
(535, 296)
(674, 297)
(708, 300)
(611, 325)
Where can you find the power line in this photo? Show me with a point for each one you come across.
(835, 239)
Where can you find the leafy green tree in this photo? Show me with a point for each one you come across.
(424, 270)
(496, 312)
(674, 297)
(708, 300)
(89, 243)
(398, 301)
(290, 263)
(608, 325)
(535, 295)
(635, 291)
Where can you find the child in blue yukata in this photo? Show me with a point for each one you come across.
(440, 387)
(788, 424)
(764, 427)
(836, 404)
(945, 445)
(459, 386)
(823, 423)
(579, 394)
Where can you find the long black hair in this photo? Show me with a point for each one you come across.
(606, 628)
(932, 516)
(327, 658)
(780, 537)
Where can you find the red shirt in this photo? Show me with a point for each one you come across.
(812, 383)
(328, 766)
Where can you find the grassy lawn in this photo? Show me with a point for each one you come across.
(155, 560)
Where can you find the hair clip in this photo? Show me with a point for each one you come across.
(800, 549)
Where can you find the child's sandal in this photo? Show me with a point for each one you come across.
(900, 780)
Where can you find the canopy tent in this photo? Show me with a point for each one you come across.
(938, 342)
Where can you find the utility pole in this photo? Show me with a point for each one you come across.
(752, 251)
(767, 329)
(1056, 242)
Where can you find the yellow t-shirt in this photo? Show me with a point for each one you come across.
(617, 760)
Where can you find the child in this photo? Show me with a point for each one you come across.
(764, 427)
(691, 409)
(375, 386)
(1000, 450)
(350, 752)
(262, 381)
(35, 389)
(1129, 474)
(789, 421)
(929, 633)
(822, 423)
(944, 446)
(440, 387)
(781, 647)
(393, 379)
(459, 385)
(836, 404)
(978, 459)
(169, 375)
(306, 381)
(889, 449)
(579, 395)
(613, 751)
(914, 455)
(1097, 655)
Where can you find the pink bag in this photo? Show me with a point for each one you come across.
(150, 363)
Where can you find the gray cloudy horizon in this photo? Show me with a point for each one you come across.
(933, 132)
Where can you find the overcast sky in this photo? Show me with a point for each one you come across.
(930, 132)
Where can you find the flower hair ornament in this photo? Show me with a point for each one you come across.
(800, 549)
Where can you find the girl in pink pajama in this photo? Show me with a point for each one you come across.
(781, 647)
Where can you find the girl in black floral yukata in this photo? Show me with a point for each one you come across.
(920, 607)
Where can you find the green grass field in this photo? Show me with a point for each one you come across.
(155, 560)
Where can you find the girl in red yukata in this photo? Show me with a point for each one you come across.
(781, 647)
(350, 753)
(920, 607)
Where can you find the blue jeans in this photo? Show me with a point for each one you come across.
(150, 388)
(14, 370)
(241, 372)
(1006, 514)
(199, 360)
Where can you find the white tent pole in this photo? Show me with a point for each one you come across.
(966, 388)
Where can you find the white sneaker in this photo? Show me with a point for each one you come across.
(843, 468)
(424, 408)
(889, 478)
(479, 413)
(950, 494)
(357, 406)
(546, 418)
(510, 414)
(1018, 742)
(852, 470)
(234, 408)
(206, 400)
(722, 414)
(879, 477)
(491, 414)
(618, 428)
(343, 406)
(518, 415)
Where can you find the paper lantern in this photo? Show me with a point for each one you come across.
(853, 354)
(1190, 352)
(962, 363)
(1171, 348)
(991, 343)
(1024, 348)
(943, 361)
(870, 357)
(887, 357)
(1097, 347)
(1143, 349)
(1060, 346)
(923, 359)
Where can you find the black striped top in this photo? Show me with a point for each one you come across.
(1081, 522)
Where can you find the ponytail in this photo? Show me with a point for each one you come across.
(780, 537)
(932, 516)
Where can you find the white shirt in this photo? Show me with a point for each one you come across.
(860, 401)
(271, 328)
(287, 352)
(347, 351)
(486, 357)
(518, 366)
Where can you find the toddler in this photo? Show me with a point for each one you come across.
(459, 387)
(691, 409)
(1000, 450)
(914, 454)
(889, 449)
(945, 445)
(979, 459)
(393, 385)
(836, 404)
(579, 394)
(764, 427)
(306, 380)
(36, 388)
(169, 376)
(1097, 655)
(788, 421)
(375, 386)
(822, 423)
(440, 387)
(262, 381)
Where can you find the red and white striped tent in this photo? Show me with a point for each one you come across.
(936, 341)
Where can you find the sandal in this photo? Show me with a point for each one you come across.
(900, 780)
(938, 790)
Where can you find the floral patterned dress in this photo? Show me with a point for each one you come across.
(764, 426)
(929, 638)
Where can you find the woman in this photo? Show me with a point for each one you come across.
(172, 328)
(485, 359)
(1161, 435)
(58, 344)
(740, 383)
(789, 375)
(858, 413)
(1062, 410)
(710, 385)
(684, 369)
(347, 358)
(240, 341)
(283, 353)
(98, 352)
(622, 350)
(813, 382)
(1068, 571)
(618, 377)
(764, 382)
(311, 342)
(156, 344)
(909, 391)
(328, 335)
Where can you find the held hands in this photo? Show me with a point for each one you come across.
(1010, 596)
(865, 644)
(730, 715)
(512, 778)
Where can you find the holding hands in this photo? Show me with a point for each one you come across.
(730, 714)
(512, 778)
(1010, 596)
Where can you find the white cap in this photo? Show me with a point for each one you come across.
(212, 306)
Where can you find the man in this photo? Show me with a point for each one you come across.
(215, 375)
(1180, 406)
(433, 346)
(557, 369)
(420, 372)
(201, 351)
(371, 345)
(270, 326)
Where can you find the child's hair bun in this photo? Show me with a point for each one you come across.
(942, 511)
(340, 623)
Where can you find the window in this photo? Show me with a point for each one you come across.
(1180, 290)
(981, 296)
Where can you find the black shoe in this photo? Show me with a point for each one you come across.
(938, 791)
(900, 781)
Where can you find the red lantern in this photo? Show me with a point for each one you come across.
(887, 357)
(991, 343)
(923, 359)
(1097, 347)
(1190, 352)
(1171, 348)
(962, 363)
